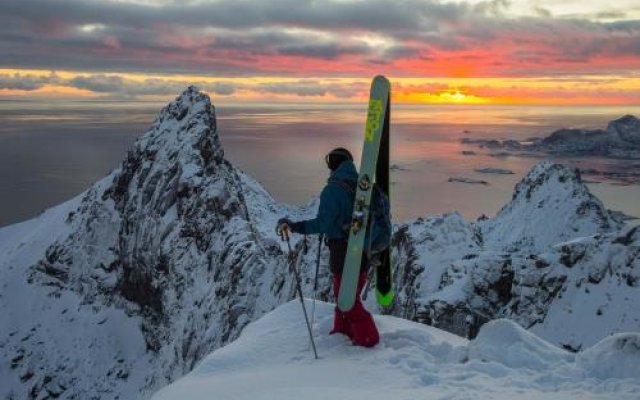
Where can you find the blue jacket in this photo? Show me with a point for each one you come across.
(336, 205)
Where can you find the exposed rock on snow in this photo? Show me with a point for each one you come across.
(423, 251)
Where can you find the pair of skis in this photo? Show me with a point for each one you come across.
(374, 168)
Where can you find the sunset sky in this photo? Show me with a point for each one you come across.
(480, 52)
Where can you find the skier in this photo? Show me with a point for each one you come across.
(333, 220)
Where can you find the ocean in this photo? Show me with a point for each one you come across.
(50, 152)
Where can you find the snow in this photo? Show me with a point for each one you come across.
(272, 360)
(36, 328)
(504, 342)
(616, 356)
(440, 240)
(550, 205)
(596, 300)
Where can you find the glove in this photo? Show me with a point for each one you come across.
(283, 223)
(295, 227)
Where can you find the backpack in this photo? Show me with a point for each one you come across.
(378, 235)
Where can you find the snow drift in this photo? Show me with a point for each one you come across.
(271, 360)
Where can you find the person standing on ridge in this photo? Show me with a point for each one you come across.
(333, 220)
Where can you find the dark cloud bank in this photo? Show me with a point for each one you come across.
(241, 37)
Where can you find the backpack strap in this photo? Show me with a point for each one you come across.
(349, 188)
(346, 186)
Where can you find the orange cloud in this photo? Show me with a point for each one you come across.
(578, 89)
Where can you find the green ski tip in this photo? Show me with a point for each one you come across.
(385, 300)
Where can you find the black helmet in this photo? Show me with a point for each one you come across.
(336, 157)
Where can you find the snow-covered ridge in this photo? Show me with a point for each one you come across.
(550, 204)
(271, 360)
(172, 254)
(554, 259)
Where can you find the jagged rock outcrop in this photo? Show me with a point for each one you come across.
(422, 251)
(550, 205)
(553, 254)
(166, 250)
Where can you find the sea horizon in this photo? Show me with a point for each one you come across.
(51, 152)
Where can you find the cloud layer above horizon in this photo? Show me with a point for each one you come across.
(311, 40)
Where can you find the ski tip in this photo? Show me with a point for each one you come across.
(380, 79)
(381, 83)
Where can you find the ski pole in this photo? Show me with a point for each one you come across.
(285, 234)
(315, 280)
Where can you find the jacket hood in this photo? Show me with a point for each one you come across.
(346, 171)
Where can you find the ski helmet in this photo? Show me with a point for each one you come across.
(336, 157)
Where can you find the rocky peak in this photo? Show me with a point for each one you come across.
(626, 128)
(553, 259)
(181, 145)
(173, 184)
(551, 204)
(167, 240)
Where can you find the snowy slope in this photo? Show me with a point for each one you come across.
(550, 205)
(45, 336)
(597, 280)
(554, 260)
(271, 360)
